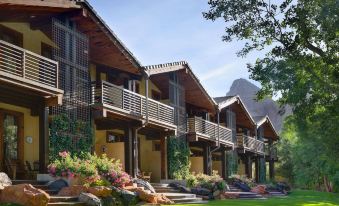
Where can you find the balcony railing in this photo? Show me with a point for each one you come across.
(250, 143)
(20, 64)
(209, 129)
(111, 95)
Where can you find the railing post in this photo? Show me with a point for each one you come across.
(57, 75)
(141, 109)
(23, 63)
(158, 112)
(122, 99)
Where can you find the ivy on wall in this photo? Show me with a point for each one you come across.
(68, 135)
(178, 154)
(232, 162)
(262, 170)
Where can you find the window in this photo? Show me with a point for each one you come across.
(156, 95)
(156, 146)
(11, 36)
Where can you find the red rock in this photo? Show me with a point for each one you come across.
(153, 197)
(260, 189)
(229, 195)
(75, 190)
(24, 194)
(100, 191)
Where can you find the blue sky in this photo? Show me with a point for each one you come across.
(159, 31)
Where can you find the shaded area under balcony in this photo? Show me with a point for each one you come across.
(251, 144)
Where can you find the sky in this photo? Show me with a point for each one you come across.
(163, 31)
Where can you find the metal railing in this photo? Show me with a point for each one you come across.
(112, 95)
(16, 62)
(250, 143)
(210, 129)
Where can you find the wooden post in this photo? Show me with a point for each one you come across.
(223, 163)
(163, 151)
(43, 139)
(271, 167)
(135, 153)
(128, 150)
(248, 165)
(207, 159)
(257, 169)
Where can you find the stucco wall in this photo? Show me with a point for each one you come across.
(113, 150)
(197, 164)
(216, 165)
(150, 161)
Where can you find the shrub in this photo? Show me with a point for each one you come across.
(211, 182)
(178, 154)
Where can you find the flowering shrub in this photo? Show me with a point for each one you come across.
(243, 179)
(91, 170)
(212, 182)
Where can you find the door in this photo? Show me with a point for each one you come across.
(11, 140)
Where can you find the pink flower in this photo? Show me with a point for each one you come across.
(63, 154)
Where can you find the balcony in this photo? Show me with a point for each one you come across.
(28, 72)
(250, 144)
(200, 128)
(125, 103)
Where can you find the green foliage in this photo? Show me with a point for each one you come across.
(296, 198)
(302, 66)
(211, 182)
(71, 136)
(178, 154)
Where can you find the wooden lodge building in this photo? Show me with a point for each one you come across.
(59, 57)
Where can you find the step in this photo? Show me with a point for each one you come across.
(63, 199)
(32, 182)
(66, 204)
(167, 190)
(42, 187)
(178, 195)
(159, 185)
(51, 192)
(187, 200)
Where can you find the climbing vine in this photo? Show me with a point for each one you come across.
(232, 162)
(178, 158)
(68, 135)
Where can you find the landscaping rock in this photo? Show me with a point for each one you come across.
(153, 198)
(216, 193)
(231, 195)
(5, 181)
(145, 184)
(89, 199)
(201, 191)
(179, 187)
(75, 190)
(100, 191)
(24, 194)
(57, 184)
(110, 201)
(243, 186)
(259, 189)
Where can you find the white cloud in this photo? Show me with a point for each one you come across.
(216, 72)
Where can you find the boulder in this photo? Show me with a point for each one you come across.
(201, 191)
(57, 184)
(4, 180)
(153, 198)
(259, 189)
(231, 195)
(216, 193)
(24, 194)
(145, 184)
(180, 187)
(75, 190)
(100, 191)
(243, 186)
(89, 199)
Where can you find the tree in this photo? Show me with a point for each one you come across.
(301, 38)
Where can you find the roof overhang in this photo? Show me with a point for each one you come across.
(266, 121)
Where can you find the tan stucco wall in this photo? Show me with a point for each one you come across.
(31, 128)
(150, 161)
(31, 38)
(113, 150)
(241, 168)
(197, 164)
(216, 165)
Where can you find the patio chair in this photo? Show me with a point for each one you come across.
(31, 173)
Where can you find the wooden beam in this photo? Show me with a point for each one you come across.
(163, 151)
(207, 159)
(128, 150)
(54, 101)
(43, 139)
(223, 163)
(40, 3)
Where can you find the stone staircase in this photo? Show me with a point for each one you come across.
(177, 197)
(244, 195)
(55, 200)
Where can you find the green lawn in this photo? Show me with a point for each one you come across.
(296, 198)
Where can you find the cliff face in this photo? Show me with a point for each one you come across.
(247, 92)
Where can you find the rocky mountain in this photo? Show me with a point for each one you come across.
(247, 92)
